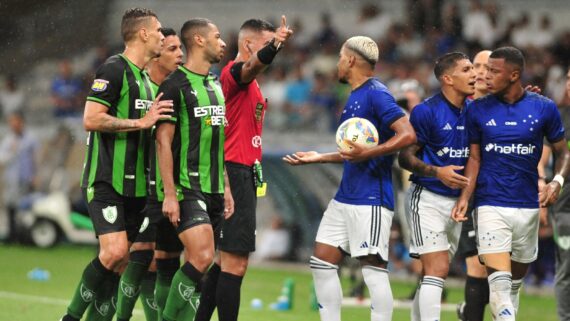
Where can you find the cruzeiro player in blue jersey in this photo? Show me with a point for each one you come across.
(436, 161)
(358, 219)
(506, 131)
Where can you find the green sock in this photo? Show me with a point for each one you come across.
(130, 284)
(105, 304)
(183, 293)
(93, 277)
(165, 270)
(147, 297)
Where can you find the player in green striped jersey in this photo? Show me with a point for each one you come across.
(190, 149)
(156, 230)
(119, 106)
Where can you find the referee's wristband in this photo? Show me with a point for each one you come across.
(268, 53)
(559, 179)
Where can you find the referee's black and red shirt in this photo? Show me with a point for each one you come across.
(245, 109)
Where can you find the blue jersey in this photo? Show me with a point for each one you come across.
(370, 182)
(510, 137)
(440, 130)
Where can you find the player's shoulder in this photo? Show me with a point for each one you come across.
(534, 97)
(115, 61)
(375, 85)
(428, 104)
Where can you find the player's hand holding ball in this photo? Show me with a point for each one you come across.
(355, 137)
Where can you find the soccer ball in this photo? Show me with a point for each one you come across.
(359, 131)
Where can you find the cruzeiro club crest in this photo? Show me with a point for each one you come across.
(144, 225)
(185, 291)
(102, 307)
(129, 290)
(110, 214)
(86, 294)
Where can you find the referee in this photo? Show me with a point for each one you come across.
(258, 43)
(119, 107)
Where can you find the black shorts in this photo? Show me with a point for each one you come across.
(157, 228)
(468, 240)
(237, 234)
(200, 208)
(111, 212)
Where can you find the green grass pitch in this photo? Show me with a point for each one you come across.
(22, 299)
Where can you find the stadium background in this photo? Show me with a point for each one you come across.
(42, 38)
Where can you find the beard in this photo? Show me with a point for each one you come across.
(343, 80)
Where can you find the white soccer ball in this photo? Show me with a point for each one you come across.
(360, 131)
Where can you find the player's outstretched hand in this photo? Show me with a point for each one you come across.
(228, 203)
(356, 153)
(283, 33)
(160, 109)
(301, 158)
(449, 177)
(549, 194)
(459, 211)
(171, 209)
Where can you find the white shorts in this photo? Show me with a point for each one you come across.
(431, 227)
(506, 229)
(359, 230)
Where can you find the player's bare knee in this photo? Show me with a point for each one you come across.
(201, 260)
(436, 268)
(327, 253)
(113, 256)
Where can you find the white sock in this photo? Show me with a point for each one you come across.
(515, 291)
(500, 284)
(430, 298)
(381, 300)
(327, 289)
(415, 312)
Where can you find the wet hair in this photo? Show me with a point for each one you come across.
(192, 26)
(365, 47)
(446, 62)
(132, 21)
(257, 25)
(167, 32)
(511, 55)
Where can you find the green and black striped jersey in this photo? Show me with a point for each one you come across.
(155, 187)
(119, 159)
(199, 116)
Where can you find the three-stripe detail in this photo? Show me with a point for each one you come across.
(375, 225)
(415, 216)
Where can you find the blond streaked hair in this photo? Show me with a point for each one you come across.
(365, 47)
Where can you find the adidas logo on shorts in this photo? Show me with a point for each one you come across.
(364, 245)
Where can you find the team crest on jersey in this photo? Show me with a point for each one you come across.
(99, 85)
(185, 291)
(144, 225)
(259, 112)
(110, 214)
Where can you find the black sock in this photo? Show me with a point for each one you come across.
(208, 297)
(476, 297)
(228, 296)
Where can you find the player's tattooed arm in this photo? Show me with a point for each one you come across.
(96, 117)
(548, 195)
(408, 160)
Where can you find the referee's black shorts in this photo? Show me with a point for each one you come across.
(237, 234)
